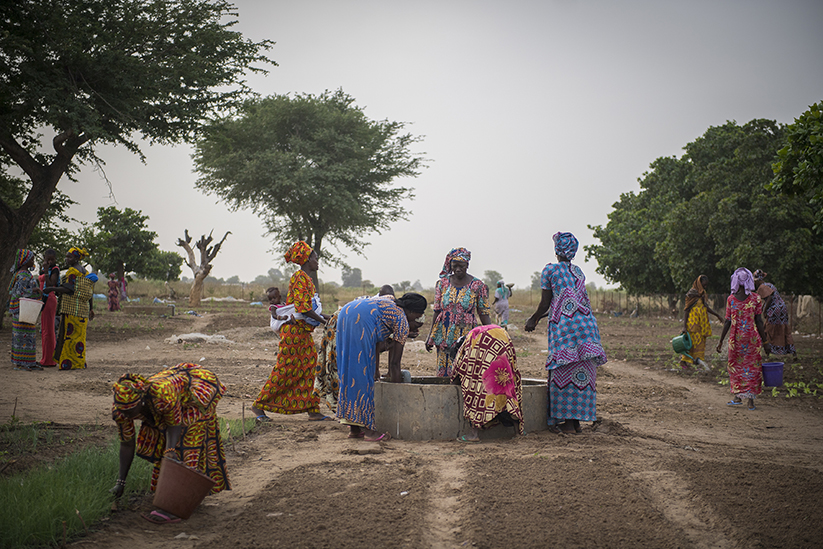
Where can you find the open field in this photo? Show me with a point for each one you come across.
(669, 465)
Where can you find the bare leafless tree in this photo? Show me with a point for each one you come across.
(202, 269)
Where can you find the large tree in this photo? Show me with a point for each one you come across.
(81, 73)
(202, 268)
(314, 168)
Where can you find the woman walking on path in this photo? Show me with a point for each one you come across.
(459, 298)
(696, 323)
(745, 328)
(23, 335)
(48, 336)
(501, 303)
(575, 350)
(776, 316)
(289, 389)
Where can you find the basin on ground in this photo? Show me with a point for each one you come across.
(430, 408)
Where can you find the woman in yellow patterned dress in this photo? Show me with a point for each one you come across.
(696, 323)
(289, 389)
(178, 412)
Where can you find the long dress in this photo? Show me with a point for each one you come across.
(745, 369)
(776, 319)
(458, 309)
(48, 336)
(574, 347)
(23, 335)
(489, 379)
(289, 389)
(113, 296)
(326, 379)
(73, 308)
(699, 329)
(185, 395)
(501, 307)
(361, 324)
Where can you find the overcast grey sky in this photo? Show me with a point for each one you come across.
(537, 115)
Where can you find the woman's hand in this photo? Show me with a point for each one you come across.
(531, 324)
(719, 346)
(429, 344)
(118, 489)
(91, 315)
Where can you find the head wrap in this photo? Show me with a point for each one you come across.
(79, 253)
(565, 244)
(759, 275)
(500, 283)
(128, 391)
(298, 253)
(743, 277)
(21, 258)
(413, 302)
(460, 254)
(696, 292)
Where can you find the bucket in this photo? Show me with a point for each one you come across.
(772, 374)
(682, 343)
(180, 489)
(30, 310)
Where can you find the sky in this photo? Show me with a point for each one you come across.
(536, 117)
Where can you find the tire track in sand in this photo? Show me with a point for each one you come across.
(442, 528)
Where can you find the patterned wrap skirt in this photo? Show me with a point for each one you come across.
(23, 344)
(572, 392)
(326, 381)
(290, 387)
(70, 352)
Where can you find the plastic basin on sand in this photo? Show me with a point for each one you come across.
(180, 489)
(30, 310)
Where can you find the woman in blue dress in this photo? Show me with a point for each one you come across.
(575, 351)
(363, 328)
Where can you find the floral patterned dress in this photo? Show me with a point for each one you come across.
(458, 310)
(745, 369)
(23, 335)
(776, 321)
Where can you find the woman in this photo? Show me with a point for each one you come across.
(458, 299)
(696, 323)
(575, 350)
(49, 277)
(178, 412)
(486, 368)
(326, 380)
(291, 382)
(745, 328)
(501, 303)
(23, 335)
(776, 314)
(75, 308)
(363, 326)
(114, 293)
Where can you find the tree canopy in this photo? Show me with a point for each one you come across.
(314, 168)
(81, 73)
(709, 212)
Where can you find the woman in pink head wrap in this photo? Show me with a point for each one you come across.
(458, 299)
(745, 328)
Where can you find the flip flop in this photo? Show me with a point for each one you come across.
(384, 437)
(462, 438)
(156, 517)
(753, 408)
(262, 419)
(361, 434)
(324, 418)
(734, 403)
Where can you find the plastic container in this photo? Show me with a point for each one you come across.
(406, 376)
(180, 489)
(30, 310)
(772, 374)
(682, 344)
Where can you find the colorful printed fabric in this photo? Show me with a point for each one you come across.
(75, 303)
(23, 284)
(776, 319)
(299, 253)
(361, 324)
(70, 350)
(572, 392)
(459, 254)
(745, 369)
(185, 395)
(22, 257)
(48, 336)
(326, 380)
(289, 389)
(699, 329)
(573, 333)
(458, 310)
(742, 277)
(501, 306)
(113, 295)
(565, 244)
(23, 344)
(489, 386)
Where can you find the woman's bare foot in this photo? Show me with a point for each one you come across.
(259, 414)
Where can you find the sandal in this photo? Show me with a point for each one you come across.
(159, 517)
(734, 403)
(361, 434)
(384, 437)
(556, 430)
(262, 419)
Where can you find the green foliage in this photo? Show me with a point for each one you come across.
(490, 278)
(162, 265)
(352, 278)
(314, 168)
(535, 280)
(799, 166)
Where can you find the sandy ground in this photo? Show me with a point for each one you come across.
(669, 465)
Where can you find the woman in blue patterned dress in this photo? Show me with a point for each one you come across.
(575, 351)
(362, 326)
(23, 335)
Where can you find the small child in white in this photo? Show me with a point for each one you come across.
(283, 314)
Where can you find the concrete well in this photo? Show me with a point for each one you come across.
(430, 408)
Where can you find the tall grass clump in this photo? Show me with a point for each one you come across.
(34, 504)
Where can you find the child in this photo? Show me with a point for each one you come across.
(282, 313)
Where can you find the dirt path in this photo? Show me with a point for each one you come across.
(669, 465)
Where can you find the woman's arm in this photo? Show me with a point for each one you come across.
(686, 311)
(542, 310)
(173, 433)
(395, 355)
(126, 457)
(726, 326)
(758, 322)
(429, 340)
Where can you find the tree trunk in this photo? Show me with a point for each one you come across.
(200, 270)
(197, 287)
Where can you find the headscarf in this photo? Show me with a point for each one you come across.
(299, 253)
(21, 258)
(461, 254)
(759, 275)
(128, 391)
(413, 302)
(79, 253)
(696, 292)
(743, 277)
(565, 244)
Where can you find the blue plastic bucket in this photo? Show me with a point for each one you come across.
(772, 374)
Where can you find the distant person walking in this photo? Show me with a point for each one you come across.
(745, 328)
(575, 350)
(113, 296)
(776, 316)
(501, 303)
(23, 334)
(459, 298)
(696, 323)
